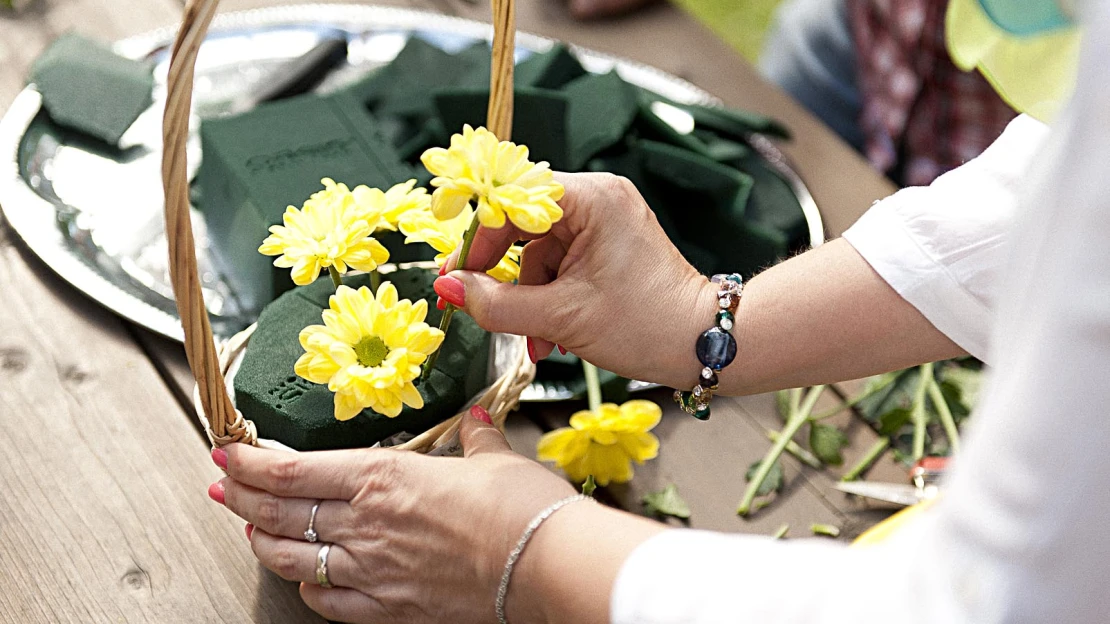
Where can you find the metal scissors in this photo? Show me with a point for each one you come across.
(925, 483)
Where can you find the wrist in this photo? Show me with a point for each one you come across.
(566, 573)
(694, 309)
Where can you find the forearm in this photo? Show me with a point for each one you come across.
(566, 573)
(820, 317)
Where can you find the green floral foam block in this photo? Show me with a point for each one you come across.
(87, 87)
(257, 163)
(298, 413)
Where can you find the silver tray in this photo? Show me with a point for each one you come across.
(96, 218)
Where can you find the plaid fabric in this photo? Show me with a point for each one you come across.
(921, 115)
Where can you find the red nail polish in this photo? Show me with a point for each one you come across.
(249, 529)
(452, 290)
(562, 349)
(443, 269)
(531, 350)
(440, 303)
(216, 492)
(220, 457)
(481, 414)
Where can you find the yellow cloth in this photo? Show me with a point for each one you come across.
(1034, 74)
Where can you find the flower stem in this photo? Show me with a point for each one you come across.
(794, 423)
(870, 457)
(375, 281)
(854, 400)
(918, 415)
(593, 386)
(797, 451)
(945, 415)
(449, 310)
(336, 278)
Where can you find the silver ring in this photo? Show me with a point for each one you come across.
(322, 566)
(310, 534)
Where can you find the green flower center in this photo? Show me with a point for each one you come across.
(371, 351)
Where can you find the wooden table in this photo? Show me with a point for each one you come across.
(103, 512)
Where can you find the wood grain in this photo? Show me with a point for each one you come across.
(103, 513)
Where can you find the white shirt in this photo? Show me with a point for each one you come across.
(1021, 534)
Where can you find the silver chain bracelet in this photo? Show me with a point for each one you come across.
(503, 588)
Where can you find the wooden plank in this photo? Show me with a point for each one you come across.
(103, 513)
(663, 36)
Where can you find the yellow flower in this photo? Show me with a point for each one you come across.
(421, 226)
(369, 350)
(498, 177)
(604, 443)
(508, 269)
(325, 233)
(390, 206)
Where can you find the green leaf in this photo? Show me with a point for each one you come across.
(892, 421)
(667, 502)
(774, 481)
(826, 442)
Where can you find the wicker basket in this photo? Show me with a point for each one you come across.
(210, 365)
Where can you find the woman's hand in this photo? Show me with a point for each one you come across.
(605, 283)
(414, 538)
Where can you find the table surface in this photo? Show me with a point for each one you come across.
(103, 511)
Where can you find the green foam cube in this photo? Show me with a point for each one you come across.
(88, 88)
(539, 118)
(257, 163)
(300, 414)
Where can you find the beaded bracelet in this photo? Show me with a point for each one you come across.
(716, 348)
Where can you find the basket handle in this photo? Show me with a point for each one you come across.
(226, 425)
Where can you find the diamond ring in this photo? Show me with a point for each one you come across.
(310, 534)
(322, 566)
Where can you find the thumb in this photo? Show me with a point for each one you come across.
(478, 435)
(504, 308)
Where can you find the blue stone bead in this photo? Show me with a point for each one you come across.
(716, 348)
(735, 277)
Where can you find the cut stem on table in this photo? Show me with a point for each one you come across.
(794, 423)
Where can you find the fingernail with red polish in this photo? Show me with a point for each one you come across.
(440, 303)
(216, 492)
(531, 350)
(452, 290)
(249, 529)
(562, 349)
(443, 270)
(220, 457)
(481, 414)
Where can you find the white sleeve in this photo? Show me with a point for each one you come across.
(1019, 536)
(941, 247)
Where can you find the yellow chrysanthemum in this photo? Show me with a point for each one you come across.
(421, 226)
(498, 177)
(391, 205)
(604, 443)
(325, 233)
(369, 350)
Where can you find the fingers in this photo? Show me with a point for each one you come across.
(295, 560)
(340, 604)
(316, 475)
(539, 265)
(497, 307)
(478, 435)
(288, 517)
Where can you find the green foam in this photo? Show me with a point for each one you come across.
(87, 87)
(602, 108)
(257, 163)
(548, 70)
(539, 118)
(299, 414)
